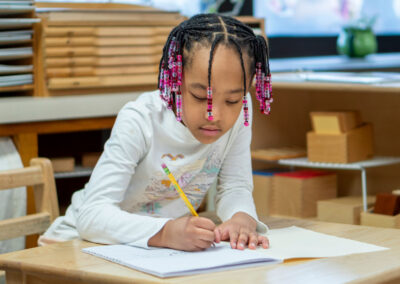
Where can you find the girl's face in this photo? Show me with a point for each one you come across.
(227, 91)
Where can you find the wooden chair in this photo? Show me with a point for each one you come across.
(40, 176)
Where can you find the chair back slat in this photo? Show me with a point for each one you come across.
(40, 176)
(21, 177)
(25, 225)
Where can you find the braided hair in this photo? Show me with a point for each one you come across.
(211, 30)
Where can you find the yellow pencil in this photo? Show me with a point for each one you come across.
(179, 190)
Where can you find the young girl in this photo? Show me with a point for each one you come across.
(199, 124)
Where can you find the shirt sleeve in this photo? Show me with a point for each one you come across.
(235, 180)
(100, 218)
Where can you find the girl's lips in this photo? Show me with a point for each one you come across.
(210, 131)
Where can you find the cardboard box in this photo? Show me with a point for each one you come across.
(344, 210)
(379, 220)
(387, 204)
(89, 160)
(355, 145)
(296, 193)
(63, 164)
(262, 190)
(334, 122)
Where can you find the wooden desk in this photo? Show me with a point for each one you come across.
(65, 263)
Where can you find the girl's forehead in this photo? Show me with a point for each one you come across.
(197, 59)
(226, 70)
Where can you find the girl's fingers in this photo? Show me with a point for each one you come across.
(225, 235)
(205, 235)
(263, 241)
(217, 233)
(204, 223)
(233, 235)
(223, 232)
(201, 244)
(253, 241)
(243, 240)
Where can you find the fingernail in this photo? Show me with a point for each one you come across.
(253, 245)
(241, 245)
(233, 245)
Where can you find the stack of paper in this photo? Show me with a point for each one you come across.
(15, 69)
(15, 7)
(16, 20)
(15, 37)
(14, 80)
(15, 53)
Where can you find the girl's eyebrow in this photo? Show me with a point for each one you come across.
(198, 86)
(203, 87)
(236, 91)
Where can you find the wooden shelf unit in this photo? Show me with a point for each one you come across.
(112, 48)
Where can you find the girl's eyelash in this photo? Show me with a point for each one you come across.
(204, 99)
(198, 98)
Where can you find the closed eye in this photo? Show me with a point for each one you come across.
(198, 98)
(232, 102)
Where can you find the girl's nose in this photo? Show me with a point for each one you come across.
(214, 112)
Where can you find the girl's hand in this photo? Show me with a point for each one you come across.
(185, 233)
(241, 231)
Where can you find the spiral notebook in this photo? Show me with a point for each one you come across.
(286, 243)
(168, 262)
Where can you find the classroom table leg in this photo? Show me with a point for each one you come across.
(14, 276)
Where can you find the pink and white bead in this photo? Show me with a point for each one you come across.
(263, 89)
(209, 104)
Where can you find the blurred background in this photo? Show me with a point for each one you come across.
(298, 27)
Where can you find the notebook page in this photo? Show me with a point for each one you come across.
(285, 243)
(168, 262)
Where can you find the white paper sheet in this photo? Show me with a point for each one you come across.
(351, 77)
(371, 78)
(15, 53)
(295, 242)
(286, 243)
(10, 23)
